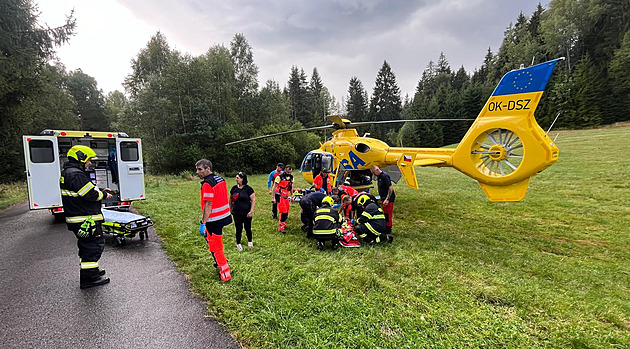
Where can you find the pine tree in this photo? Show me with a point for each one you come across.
(246, 76)
(619, 72)
(317, 106)
(357, 104)
(385, 103)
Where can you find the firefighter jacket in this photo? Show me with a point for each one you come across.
(327, 221)
(80, 197)
(373, 218)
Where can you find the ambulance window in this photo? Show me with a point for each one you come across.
(41, 151)
(129, 151)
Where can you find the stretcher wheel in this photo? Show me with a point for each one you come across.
(121, 241)
(144, 234)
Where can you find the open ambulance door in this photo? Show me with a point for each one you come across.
(130, 169)
(41, 157)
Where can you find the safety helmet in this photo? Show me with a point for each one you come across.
(328, 201)
(363, 199)
(81, 153)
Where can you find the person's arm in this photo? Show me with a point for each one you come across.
(273, 189)
(207, 207)
(88, 191)
(390, 190)
(253, 200)
(269, 184)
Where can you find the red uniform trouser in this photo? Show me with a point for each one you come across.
(283, 209)
(389, 213)
(214, 237)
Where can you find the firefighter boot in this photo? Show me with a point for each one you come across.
(91, 278)
(335, 245)
(282, 226)
(321, 245)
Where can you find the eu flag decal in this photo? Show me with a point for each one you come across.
(531, 79)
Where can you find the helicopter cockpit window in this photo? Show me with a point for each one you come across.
(306, 164)
(362, 147)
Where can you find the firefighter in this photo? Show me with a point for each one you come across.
(371, 221)
(82, 206)
(215, 208)
(284, 184)
(309, 204)
(327, 224)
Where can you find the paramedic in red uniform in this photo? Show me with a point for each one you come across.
(82, 206)
(270, 181)
(387, 194)
(215, 207)
(284, 185)
(321, 182)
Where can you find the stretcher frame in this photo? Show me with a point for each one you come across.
(123, 225)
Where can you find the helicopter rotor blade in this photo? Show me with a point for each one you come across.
(353, 124)
(282, 133)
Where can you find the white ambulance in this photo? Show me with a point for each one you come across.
(119, 167)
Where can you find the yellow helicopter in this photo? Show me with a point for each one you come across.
(502, 149)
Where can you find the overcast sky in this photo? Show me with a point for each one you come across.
(342, 38)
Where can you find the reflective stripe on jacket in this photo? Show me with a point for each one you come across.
(80, 197)
(327, 221)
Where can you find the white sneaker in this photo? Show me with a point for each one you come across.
(239, 247)
(250, 244)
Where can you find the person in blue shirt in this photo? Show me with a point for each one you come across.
(272, 177)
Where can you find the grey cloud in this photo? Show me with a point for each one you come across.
(341, 38)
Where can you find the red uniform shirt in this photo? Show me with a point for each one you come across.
(318, 182)
(349, 190)
(214, 188)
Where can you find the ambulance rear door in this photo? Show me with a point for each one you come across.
(130, 169)
(41, 157)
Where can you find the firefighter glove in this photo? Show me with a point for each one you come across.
(202, 229)
(87, 229)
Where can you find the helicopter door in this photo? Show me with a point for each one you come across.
(130, 170)
(41, 155)
(342, 173)
(394, 173)
(317, 163)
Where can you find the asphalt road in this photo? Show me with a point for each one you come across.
(146, 305)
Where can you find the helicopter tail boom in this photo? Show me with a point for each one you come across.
(505, 146)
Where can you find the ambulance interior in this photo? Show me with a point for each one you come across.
(105, 171)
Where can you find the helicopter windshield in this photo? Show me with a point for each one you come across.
(316, 161)
(306, 163)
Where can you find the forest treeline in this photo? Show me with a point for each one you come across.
(186, 107)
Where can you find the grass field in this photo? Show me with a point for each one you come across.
(12, 193)
(550, 271)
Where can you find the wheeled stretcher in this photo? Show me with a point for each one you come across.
(125, 225)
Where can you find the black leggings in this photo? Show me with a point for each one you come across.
(239, 221)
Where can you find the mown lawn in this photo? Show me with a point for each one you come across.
(550, 271)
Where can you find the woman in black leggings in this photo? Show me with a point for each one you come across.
(242, 202)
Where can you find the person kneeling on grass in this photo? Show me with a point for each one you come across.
(327, 224)
(371, 222)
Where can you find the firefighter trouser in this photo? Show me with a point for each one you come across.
(308, 213)
(367, 235)
(90, 251)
